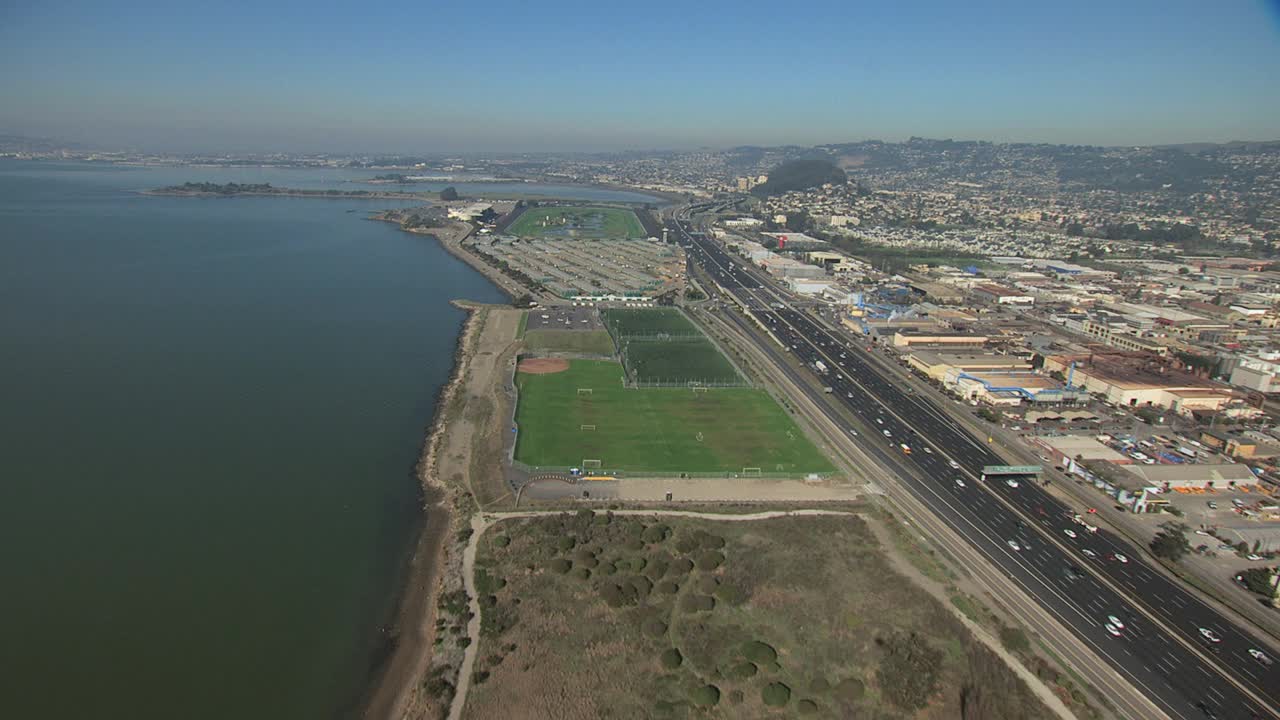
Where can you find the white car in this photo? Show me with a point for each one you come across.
(926, 449)
(853, 432)
(880, 420)
(1203, 532)
(1014, 546)
(1089, 552)
(887, 433)
(954, 465)
(960, 482)
(1115, 631)
(1121, 558)
(1115, 621)
(1011, 483)
(1254, 557)
(1260, 656)
(1210, 635)
(1069, 533)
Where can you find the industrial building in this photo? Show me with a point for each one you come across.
(1134, 382)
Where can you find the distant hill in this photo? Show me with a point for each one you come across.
(800, 175)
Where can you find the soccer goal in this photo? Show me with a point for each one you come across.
(751, 472)
(699, 437)
(587, 427)
(589, 464)
(584, 391)
(699, 389)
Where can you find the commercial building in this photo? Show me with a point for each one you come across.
(910, 338)
(1135, 382)
(1002, 295)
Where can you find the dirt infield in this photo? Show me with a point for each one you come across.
(543, 366)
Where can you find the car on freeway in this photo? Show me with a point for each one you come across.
(1120, 558)
(1224, 546)
(880, 420)
(926, 449)
(1069, 533)
(887, 433)
(1115, 621)
(1013, 545)
(1260, 656)
(1212, 505)
(1088, 552)
(1254, 557)
(1203, 532)
(853, 432)
(954, 465)
(960, 482)
(1011, 483)
(1210, 635)
(1115, 631)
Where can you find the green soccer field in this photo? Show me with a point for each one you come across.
(679, 361)
(585, 342)
(571, 222)
(648, 321)
(659, 430)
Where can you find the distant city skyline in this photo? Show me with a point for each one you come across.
(565, 76)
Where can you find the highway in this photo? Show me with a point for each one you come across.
(1182, 654)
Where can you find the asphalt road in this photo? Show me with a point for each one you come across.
(1083, 578)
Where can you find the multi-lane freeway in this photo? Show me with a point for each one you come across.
(1183, 655)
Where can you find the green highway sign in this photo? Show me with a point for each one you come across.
(1011, 470)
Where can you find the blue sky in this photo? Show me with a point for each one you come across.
(502, 76)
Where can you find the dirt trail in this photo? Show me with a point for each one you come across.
(482, 521)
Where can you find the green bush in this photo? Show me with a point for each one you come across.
(561, 565)
(566, 543)
(582, 555)
(634, 544)
(807, 707)
(654, 628)
(705, 696)
(730, 595)
(656, 533)
(501, 541)
(706, 584)
(711, 542)
(1014, 639)
(655, 569)
(759, 653)
(671, 658)
(819, 685)
(742, 671)
(582, 573)
(775, 694)
(680, 566)
(709, 560)
(908, 672)
(640, 585)
(606, 569)
(667, 587)
(618, 594)
(697, 603)
(687, 544)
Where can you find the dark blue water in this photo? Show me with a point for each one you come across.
(210, 413)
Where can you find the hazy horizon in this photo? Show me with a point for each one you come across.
(573, 77)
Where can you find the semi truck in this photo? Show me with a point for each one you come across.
(822, 367)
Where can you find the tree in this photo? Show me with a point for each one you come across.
(1170, 546)
(524, 301)
(770, 243)
(449, 193)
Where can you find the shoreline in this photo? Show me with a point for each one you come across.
(392, 681)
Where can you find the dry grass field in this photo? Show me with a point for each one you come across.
(600, 616)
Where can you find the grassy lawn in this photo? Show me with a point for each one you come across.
(678, 361)
(599, 615)
(563, 221)
(524, 323)
(655, 429)
(647, 321)
(586, 342)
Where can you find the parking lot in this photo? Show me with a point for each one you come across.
(564, 317)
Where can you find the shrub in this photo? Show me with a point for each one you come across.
(478, 677)
(807, 707)
(709, 560)
(618, 594)
(908, 672)
(640, 585)
(705, 696)
(711, 542)
(667, 587)
(501, 541)
(636, 564)
(606, 569)
(706, 584)
(655, 569)
(697, 603)
(654, 628)
(742, 671)
(681, 566)
(1014, 639)
(759, 653)
(634, 544)
(671, 658)
(730, 594)
(819, 685)
(775, 694)
(656, 533)
(566, 543)
(464, 641)
(582, 573)
(582, 555)
(561, 565)
(687, 544)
